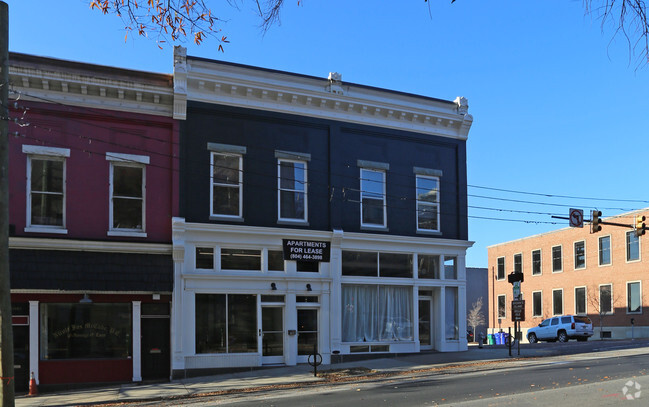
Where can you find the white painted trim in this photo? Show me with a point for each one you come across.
(34, 325)
(128, 158)
(88, 245)
(44, 229)
(47, 151)
(137, 341)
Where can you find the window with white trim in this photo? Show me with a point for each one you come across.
(605, 299)
(536, 262)
(127, 193)
(501, 268)
(518, 263)
(537, 303)
(580, 254)
(373, 210)
(632, 246)
(557, 259)
(46, 180)
(427, 203)
(292, 190)
(557, 301)
(580, 301)
(634, 297)
(502, 306)
(604, 250)
(226, 179)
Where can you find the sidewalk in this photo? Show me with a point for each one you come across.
(285, 375)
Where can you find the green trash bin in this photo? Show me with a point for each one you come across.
(490, 339)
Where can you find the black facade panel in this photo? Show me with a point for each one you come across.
(333, 173)
(72, 270)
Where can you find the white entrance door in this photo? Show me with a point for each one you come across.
(272, 335)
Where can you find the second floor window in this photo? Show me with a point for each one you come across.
(557, 262)
(518, 263)
(46, 192)
(226, 185)
(604, 250)
(536, 262)
(127, 192)
(427, 203)
(372, 198)
(580, 255)
(292, 190)
(501, 269)
(632, 246)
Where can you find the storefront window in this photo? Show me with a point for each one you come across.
(395, 265)
(428, 266)
(376, 313)
(360, 264)
(452, 323)
(85, 331)
(226, 323)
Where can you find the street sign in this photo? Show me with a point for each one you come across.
(576, 218)
(517, 289)
(518, 310)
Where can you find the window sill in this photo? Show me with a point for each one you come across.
(377, 228)
(36, 229)
(126, 233)
(429, 232)
(297, 222)
(226, 218)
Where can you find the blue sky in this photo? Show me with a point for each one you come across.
(559, 109)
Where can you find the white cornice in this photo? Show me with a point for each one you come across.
(52, 84)
(241, 86)
(88, 245)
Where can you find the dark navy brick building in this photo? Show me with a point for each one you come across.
(365, 188)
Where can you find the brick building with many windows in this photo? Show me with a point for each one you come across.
(574, 271)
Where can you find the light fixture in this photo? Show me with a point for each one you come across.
(85, 300)
(273, 286)
(308, 287)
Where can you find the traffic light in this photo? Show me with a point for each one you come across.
(595, 221)
(639, 225)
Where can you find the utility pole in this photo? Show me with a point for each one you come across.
(6, 334)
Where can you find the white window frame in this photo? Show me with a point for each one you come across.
(45, 154)
(540, 262)
(504, 268)
(599, 251)
(126, 160)
(383, 194)
(520, 262)
(504, 317)
(239, 186)
(626, 247)
(562, 302)
(612, 303)
(305, 218)
(435, 204)
(541, 313)
(628, 283)
(560, 270)
(585, 300)
(574, 255)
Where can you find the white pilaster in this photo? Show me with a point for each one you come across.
(137, 341)
(34, 323)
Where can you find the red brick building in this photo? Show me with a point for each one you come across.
(573, 271)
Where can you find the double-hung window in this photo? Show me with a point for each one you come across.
(292, 190)
(632, 246)
(580, 255)
(557, 259)
(557, 301)
(501, 268)
(536, 262)
(226, 193)
(605, 299)
(537, 303)
(46, 178)
(604, 250)
(127, 194)
(633, 297)
(427, 203)
(373, 210)
(580, 300)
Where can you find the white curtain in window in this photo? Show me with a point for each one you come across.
(376, 313)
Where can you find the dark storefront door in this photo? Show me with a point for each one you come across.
(155, 348)
(21, 357)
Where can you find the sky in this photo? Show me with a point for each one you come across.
(560, 106)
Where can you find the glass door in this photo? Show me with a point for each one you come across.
(425, 324)
(272, 335)
(307, 333)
